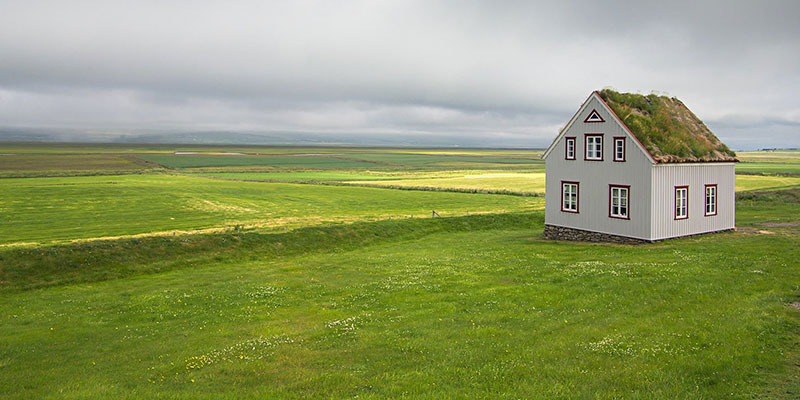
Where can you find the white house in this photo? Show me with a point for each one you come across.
(633, 168)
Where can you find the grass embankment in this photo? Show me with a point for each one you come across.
(62, 209)
(34, 267)
(468, 307)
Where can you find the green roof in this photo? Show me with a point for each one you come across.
(667, 128)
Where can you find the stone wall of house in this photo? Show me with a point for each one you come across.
(561, 233)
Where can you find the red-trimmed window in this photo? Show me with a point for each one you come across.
(619, 148)
(569, 148)
(569, 196)
(681, 202)
(619, 197)
(711, 200)
(593, 148)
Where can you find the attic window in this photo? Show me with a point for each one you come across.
(593, 148)
(594, 117)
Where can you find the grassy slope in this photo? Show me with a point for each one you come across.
(761, 182)
(466, 307)
(52, 209)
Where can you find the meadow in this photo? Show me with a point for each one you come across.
(45, 210)
(279, 280)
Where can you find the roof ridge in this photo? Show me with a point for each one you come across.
(666, 128)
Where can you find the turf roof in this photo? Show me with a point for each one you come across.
(667, 128)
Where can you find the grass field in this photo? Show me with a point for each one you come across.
(769, 162)
(359, 300)
(316, 161)
(57, 209)
(474, 308)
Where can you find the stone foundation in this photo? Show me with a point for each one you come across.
(561, 233)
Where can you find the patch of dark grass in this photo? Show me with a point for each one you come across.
(783, 196)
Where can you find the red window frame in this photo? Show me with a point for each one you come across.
(574, 147)
(705, 199)
(627, 201)
(586, 137)
(577, 197)
(624, 148)
(675, 202)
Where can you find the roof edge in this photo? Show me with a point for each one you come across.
(622, 123)
(569, 123)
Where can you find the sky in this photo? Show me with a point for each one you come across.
(460, 73)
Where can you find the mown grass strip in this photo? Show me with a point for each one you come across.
(31, 268)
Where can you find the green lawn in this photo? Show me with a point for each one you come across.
(467, 307)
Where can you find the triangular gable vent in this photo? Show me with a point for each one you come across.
(594, 117)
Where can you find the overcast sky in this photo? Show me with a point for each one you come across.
(505, 73)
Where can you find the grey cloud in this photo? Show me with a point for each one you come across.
(508, 69)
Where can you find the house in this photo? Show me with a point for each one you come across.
(632, 168)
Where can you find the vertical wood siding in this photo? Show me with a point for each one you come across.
(595, 177)
(696, 176)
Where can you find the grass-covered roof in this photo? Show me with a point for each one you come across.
(667, 128)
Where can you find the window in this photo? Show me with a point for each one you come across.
(594, 117)
(594, 147)
(569, 196)
(570, 149)
(619, 197)
(619, 149)
(681, 202)
(711, 200)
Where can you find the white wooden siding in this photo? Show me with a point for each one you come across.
(696, 176)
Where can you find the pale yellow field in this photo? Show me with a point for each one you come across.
(535, 182)
(781, 156)
(759, 182)
(501, 181)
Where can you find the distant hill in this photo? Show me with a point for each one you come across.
(242, 138)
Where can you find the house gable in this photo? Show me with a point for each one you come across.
(594, 113)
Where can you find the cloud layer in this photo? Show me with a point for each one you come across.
(514, 71)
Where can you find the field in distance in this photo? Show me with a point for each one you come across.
(174, 189)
